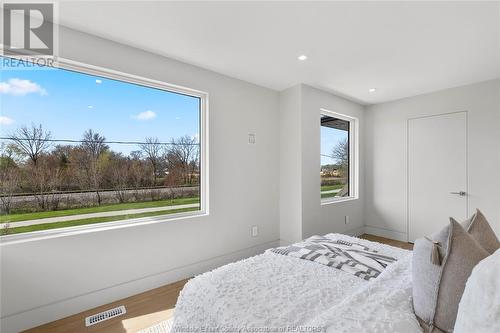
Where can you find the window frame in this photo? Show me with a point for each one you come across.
(353, 163)
(83, 68)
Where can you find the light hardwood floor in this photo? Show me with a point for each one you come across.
(145, 309)
(392, 242)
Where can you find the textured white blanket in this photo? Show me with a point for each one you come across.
(382, 305)
(273, 292)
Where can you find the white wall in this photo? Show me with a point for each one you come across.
(385, 209)
(48, 279)
(290, 165)
(302, 214)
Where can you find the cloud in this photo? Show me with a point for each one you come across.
(6, 120)
(19, 87)
(98, 81)
(146, 115)
(90, 106)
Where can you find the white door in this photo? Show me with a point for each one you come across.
(437, 172)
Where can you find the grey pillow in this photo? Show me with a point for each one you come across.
(479, 228)
(438, 287)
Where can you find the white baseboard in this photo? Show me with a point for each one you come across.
(397, 235)
(67, 307)
(355, 232)
(352, 232)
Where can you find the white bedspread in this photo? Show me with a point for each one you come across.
(272, 292)
(382, 305)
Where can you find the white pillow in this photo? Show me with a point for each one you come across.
(479, 308)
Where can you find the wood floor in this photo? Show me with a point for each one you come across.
(392, 242)
(145, 309)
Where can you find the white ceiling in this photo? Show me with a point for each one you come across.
(401, 48)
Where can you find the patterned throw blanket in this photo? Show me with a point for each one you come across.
(349, 257)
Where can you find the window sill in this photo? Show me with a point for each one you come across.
(339, 200)
(89, 228)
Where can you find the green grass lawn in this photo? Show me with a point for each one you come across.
(331, 187)
(12, 218)
(45, 226)
(328, 195)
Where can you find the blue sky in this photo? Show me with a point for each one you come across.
(68, 103)
(330, 137)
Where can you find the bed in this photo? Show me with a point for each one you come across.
(274, 292)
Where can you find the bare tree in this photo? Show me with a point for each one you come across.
(184, 155)
(138, 173)
(32, 141)
(9, 185)
(120, 169)
(341, 153)
(136, 154)
(152, 148)
(172, 179)
(33, 165)
(45, 182)
(55, 184)
(93, 145)
(39, 183)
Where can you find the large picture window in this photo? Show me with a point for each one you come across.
(84, 147)
(337, 171)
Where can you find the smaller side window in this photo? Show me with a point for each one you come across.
(337, 154)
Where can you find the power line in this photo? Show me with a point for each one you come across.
(91, 141)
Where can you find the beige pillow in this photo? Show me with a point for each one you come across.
(438, 286)
(481, 231)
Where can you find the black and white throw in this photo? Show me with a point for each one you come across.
(349, 257)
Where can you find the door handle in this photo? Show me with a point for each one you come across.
(461, 193)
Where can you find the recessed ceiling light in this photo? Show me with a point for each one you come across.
(372, 89)
(302, 57)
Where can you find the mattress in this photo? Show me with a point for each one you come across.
(272, 292)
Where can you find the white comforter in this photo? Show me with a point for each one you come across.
(274, 292)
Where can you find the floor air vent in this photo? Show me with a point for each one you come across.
(105, 315)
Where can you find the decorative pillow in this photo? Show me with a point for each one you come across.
(481, 231)
(479, 309)
(441, 266)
